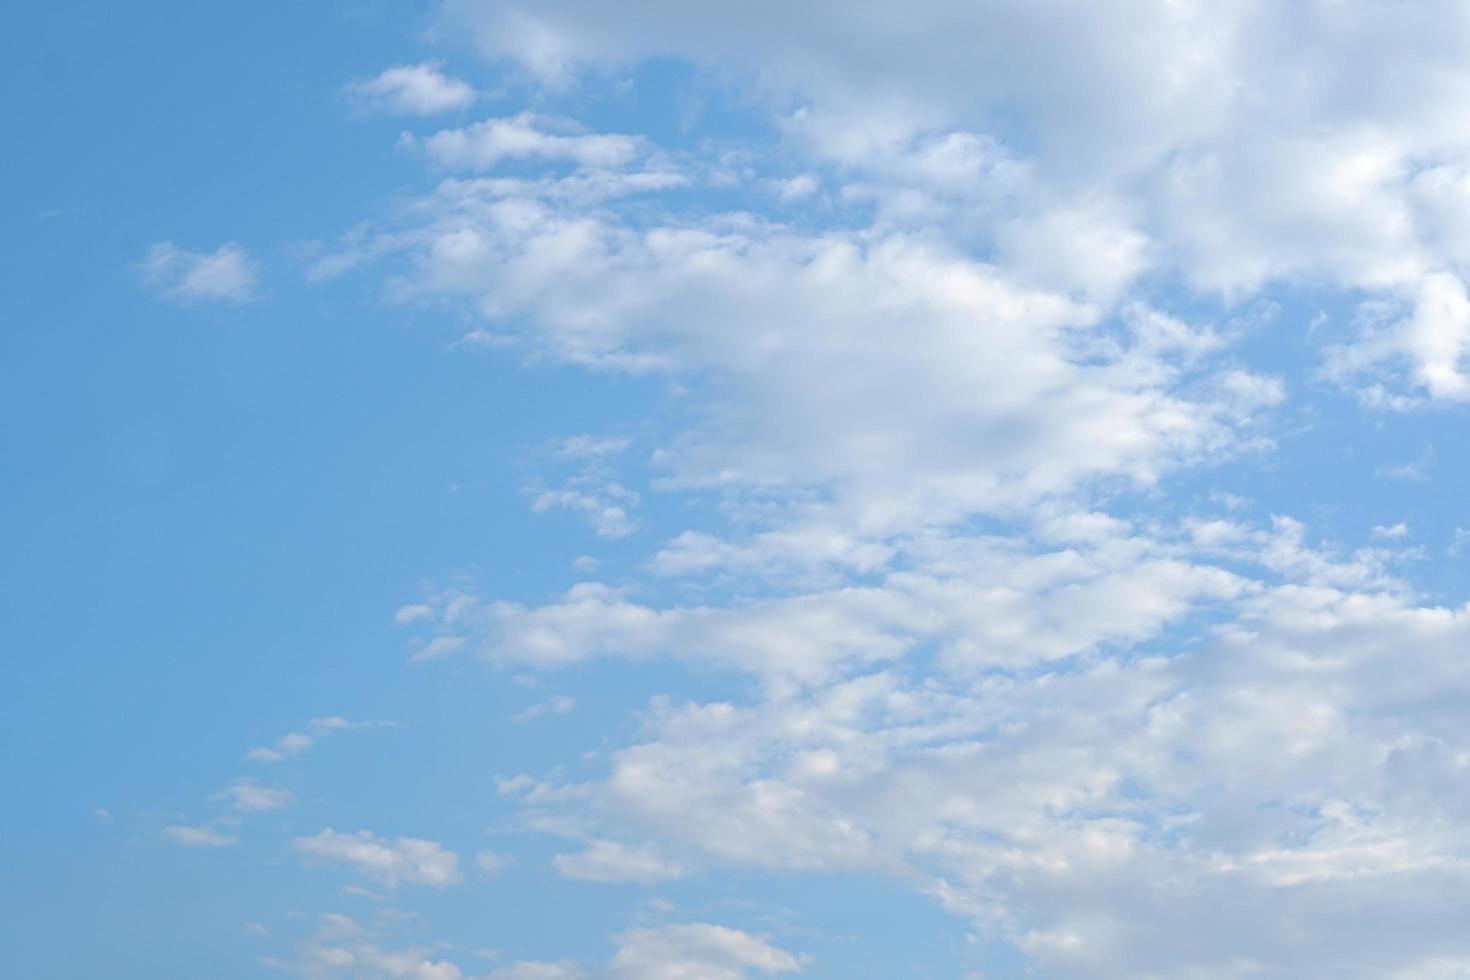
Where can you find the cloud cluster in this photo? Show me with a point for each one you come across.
(1235, 804)
(890, 373)
(962, 326)
(1234, 145)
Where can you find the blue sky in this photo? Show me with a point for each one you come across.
(564, 490)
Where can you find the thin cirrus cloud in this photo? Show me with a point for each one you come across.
(293, 744)
(227, 275)
(187, 836)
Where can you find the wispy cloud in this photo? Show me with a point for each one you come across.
(198, 836)
(227, 275)
(293, 744)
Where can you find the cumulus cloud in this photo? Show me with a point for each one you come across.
(976, 603)
(1233, 145)
(933, 416)
(1030, 801)
(413, 90)
(228, 274)
(406, 860)
(894, 374)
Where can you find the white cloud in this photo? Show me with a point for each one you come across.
(976, 603)
(1034, 802)
(489, 863)
(251, 797)
(698, 950)
(288, 745)
(406, 860)
(435, 647)
(610, 861)
(292, 744)
(673, 952)
(1126, 745)
(413, 90)
(342, 947)
(228, 274)
(559, 705)
(411, 613)
(486, 144)
(604, 504)
(531, 970)
(593, 491)
(1235, 145)
(198, 836)
(903, 379)
(591, 447)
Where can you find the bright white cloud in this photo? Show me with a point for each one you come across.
(903, 379)
(1171, 744)
(406, 860)
(1234, 145)
(1030, 801)
(228, 274)
(413, 90)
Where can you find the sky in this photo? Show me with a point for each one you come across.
(686, 491)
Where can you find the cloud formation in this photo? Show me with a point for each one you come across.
(940, 349)
(228, 274)
(413, 90)
(406, 860)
